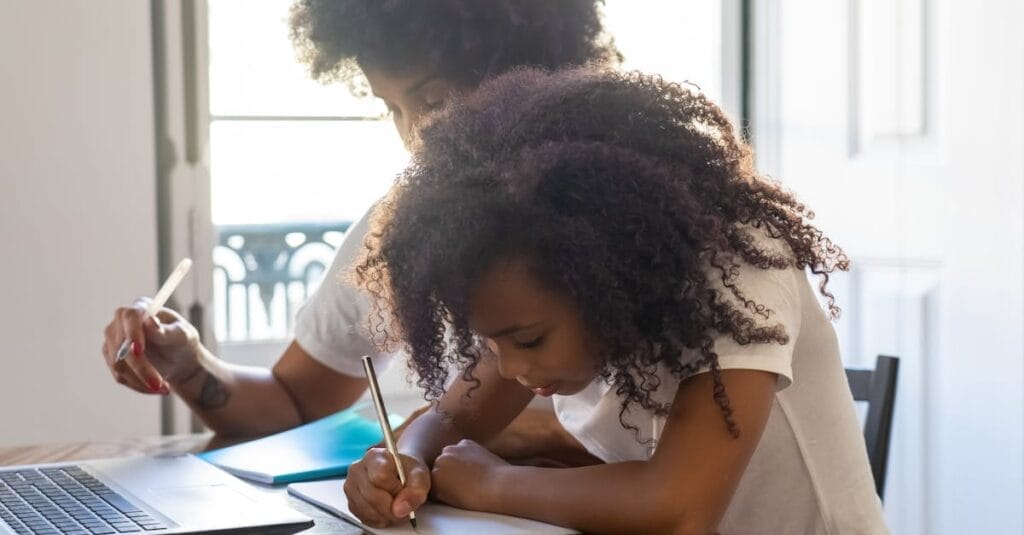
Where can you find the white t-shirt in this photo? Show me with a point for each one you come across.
(332, 325)
(810, 471)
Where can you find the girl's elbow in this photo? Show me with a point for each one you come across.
(678, 511)
(675, 520)
(692, 525)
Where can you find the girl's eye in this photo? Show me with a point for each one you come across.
(429, 106)
(528, 344)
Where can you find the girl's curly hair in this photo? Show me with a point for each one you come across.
(630, 195)
(465, 41)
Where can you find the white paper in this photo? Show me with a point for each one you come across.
(431, 518)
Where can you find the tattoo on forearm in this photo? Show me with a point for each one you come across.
(191, 375)
(213, 395)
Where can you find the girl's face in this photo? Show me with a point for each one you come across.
(538, 335)
(409, 96)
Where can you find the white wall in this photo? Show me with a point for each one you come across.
(978, 470)
(903, 129)
(77, 212)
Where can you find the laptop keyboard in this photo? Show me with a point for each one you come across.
(66, 499)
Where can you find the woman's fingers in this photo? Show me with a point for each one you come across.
(124, 375)
(167, 328)
(113, 336)
(131, 326)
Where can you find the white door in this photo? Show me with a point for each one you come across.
(890, 121)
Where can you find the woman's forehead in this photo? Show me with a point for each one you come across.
(396, 85)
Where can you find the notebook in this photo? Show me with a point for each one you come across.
(319, 449)
(431, 518)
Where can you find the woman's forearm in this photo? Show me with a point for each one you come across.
(237, 401)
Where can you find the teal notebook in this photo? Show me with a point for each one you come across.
(324, 448)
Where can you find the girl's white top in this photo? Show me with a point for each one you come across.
(810, 472)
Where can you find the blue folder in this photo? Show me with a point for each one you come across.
(319, 449)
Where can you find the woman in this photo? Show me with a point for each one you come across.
(415, 54)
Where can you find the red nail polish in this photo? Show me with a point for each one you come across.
(136, 348)
(154, 384)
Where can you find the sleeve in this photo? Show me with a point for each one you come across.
(777, 290)
(332, 326)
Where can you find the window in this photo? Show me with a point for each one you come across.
(681, 41)
(293, 161)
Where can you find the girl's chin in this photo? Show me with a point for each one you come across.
(568, 389)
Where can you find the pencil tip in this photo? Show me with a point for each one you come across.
(413, 522)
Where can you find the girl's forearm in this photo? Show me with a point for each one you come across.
(427, 435)
(460, 413)
(627, 497)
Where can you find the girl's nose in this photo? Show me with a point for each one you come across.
(512, 364)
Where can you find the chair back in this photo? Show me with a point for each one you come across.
(878, 388)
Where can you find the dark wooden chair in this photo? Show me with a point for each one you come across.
(878, 388)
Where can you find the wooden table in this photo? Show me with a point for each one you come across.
(49, 453)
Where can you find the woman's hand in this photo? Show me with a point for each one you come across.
(375, 493)
(163, 350)
(463, 474)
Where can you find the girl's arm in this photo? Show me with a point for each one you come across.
(375, 494)
(491, 405)
(684, 488)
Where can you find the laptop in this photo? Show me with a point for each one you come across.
(142, 495)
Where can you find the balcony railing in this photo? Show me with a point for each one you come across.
(263, 273)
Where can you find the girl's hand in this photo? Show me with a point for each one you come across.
(375, 493)
(163, 350)
(461, 475)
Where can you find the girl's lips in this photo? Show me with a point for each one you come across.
(546, 391)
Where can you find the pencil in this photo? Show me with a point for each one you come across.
(161, 297)
(385, 426)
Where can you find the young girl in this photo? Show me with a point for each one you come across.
(604, 239)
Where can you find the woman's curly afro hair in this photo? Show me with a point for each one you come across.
(464, 41)
(627, 194)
